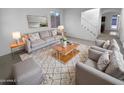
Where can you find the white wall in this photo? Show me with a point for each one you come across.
(72, 22)
(122, 27)
(15, 19)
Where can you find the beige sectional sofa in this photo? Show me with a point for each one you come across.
(88, 72)
(41, 39)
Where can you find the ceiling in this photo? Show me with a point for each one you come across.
(110, 10)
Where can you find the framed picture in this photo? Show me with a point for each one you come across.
(37, 21)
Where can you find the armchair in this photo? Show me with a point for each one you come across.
(88, 74)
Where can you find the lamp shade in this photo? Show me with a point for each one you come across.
(61, 27)
(16, 35)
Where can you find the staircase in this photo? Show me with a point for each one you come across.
(88, 27)
(90, 23)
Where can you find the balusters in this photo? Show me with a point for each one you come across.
(88, 27)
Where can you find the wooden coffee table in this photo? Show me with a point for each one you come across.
(67, 53)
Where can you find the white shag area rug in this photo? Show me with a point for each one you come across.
(55, 72)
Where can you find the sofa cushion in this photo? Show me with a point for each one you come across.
(116, 66)
(94, 54)
(101, 49)
(34, 37)
(103, 61)
(114, 45)
(106, 44)
(49, 39)
(44, 34)
(91, 63)
(37, 43)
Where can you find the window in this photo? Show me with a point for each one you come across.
(114, 22)
(55, 19)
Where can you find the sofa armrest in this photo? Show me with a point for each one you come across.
(94, 54)
(28, 46)
(100, 49)
(87, 75)
(99, 43)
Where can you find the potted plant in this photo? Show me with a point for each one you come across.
(64, 41)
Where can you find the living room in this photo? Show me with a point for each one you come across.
(61, 46)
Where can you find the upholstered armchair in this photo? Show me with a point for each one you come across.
(99, 45)
(88, 74)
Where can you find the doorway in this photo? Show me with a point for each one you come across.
(103, 24)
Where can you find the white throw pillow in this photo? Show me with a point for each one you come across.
(103, 61)
(34, 37)
(106, 44)
(114, 45)
(116, 66)
(99, 43)
(54, 32)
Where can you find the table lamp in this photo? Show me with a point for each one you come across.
(61, 29)
(16, 36)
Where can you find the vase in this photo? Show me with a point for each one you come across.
(65, 44)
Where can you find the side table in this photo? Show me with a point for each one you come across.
(14, 46)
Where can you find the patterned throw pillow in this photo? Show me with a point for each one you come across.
(103, 61)
(114, 45)
(54, 32)
(116, 66)
(106, 44)
(99, 43)
(34, 37)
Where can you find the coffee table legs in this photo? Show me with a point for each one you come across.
(57, 54)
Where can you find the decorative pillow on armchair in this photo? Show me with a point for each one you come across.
(99, 43)
(103, 61)
(106, 44)
(34, 37)
(116, 66)
(114, 45)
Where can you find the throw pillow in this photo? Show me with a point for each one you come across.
(34, 37)
(106, 44)
(99, 43)
(103, 61)
(116, 66)
(114, 45)
(54, 32)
